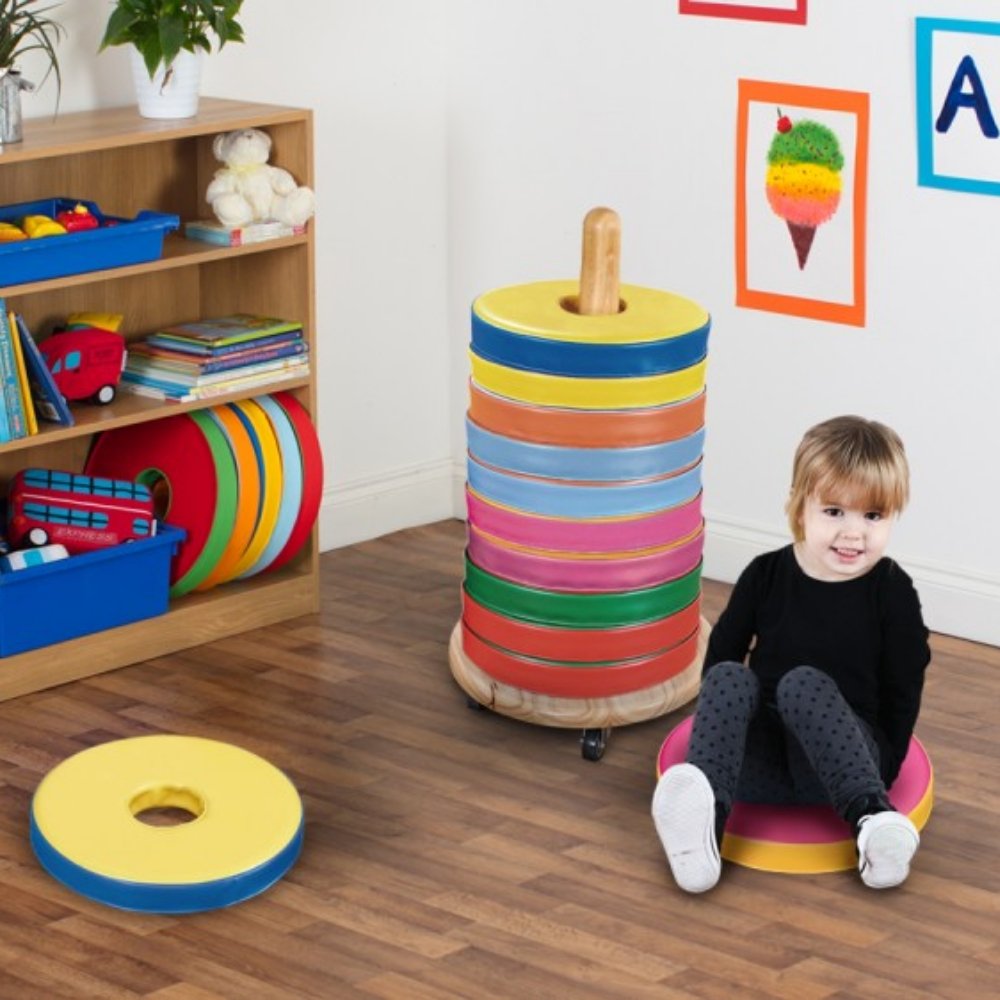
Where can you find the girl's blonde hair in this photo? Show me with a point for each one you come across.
(849, 459)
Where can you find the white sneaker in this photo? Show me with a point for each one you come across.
(684, 814)
(887, 842)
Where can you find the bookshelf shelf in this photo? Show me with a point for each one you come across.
(177, 252)
(129, 409)
(126, 164)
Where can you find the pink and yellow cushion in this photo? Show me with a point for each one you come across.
(801, 839)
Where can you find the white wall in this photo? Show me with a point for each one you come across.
(460, 144)
(375, 73)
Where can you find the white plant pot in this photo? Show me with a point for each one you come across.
(171, 93)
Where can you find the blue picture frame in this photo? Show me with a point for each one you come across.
(928, 173)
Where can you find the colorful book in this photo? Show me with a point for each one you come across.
(48, 400)
(210, 231)
(181, 395)
(166, 342)
(11, 387)
(5, 434)
(174, 380)
(144, 357)
(233, 329)
(22, 376)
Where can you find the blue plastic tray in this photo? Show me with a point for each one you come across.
(86, 593)
(129, 241)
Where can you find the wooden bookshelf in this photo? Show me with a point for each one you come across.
(126, 164)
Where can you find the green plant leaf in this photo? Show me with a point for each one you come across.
(173, 35)
(159, 29)
(119, 28)
(25, 26)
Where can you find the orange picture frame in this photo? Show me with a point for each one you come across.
(846, 304)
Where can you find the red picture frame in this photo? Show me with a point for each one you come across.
(746, 12)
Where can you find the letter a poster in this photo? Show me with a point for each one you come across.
(958, 104)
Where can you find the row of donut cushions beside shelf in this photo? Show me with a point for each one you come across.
(244, 481)
(585, 533)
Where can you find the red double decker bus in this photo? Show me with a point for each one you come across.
(81, 512)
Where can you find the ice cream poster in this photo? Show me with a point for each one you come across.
(788, 11)
(958, 104)
(801, 194)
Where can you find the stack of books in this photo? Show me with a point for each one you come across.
(212, 357)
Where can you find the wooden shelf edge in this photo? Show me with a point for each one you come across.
(114, 128)
(130, 409)
(190, 621)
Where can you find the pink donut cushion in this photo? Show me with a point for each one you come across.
(804, 839)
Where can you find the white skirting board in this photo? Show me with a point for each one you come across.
(403, 498)
(954, 601)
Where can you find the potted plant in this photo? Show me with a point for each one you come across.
(24, 27)
(167, 39)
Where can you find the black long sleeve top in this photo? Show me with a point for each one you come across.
(867, 633)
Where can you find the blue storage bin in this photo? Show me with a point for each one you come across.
(86, 593)
(129, 241)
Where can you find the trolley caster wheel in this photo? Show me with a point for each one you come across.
(471, 703)
(593, 743)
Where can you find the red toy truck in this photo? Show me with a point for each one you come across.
(86, 363)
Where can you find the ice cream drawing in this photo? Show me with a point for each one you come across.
(803, 179)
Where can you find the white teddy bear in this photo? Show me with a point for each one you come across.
(248, 189)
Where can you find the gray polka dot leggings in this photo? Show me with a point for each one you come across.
(809, 747)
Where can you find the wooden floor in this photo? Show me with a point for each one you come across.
(455, 853)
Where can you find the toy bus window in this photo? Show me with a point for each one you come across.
(140, 526)
(89, 518)
(42, 477)
(73, 360)
(43, 512)
(62, 515)
(57, 367)
(118, 488)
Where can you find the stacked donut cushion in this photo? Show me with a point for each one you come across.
(585, 438)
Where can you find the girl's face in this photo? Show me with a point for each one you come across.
(841, 541)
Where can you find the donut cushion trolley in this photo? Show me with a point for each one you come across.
(581, 601)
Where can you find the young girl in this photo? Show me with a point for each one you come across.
(837, 653)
